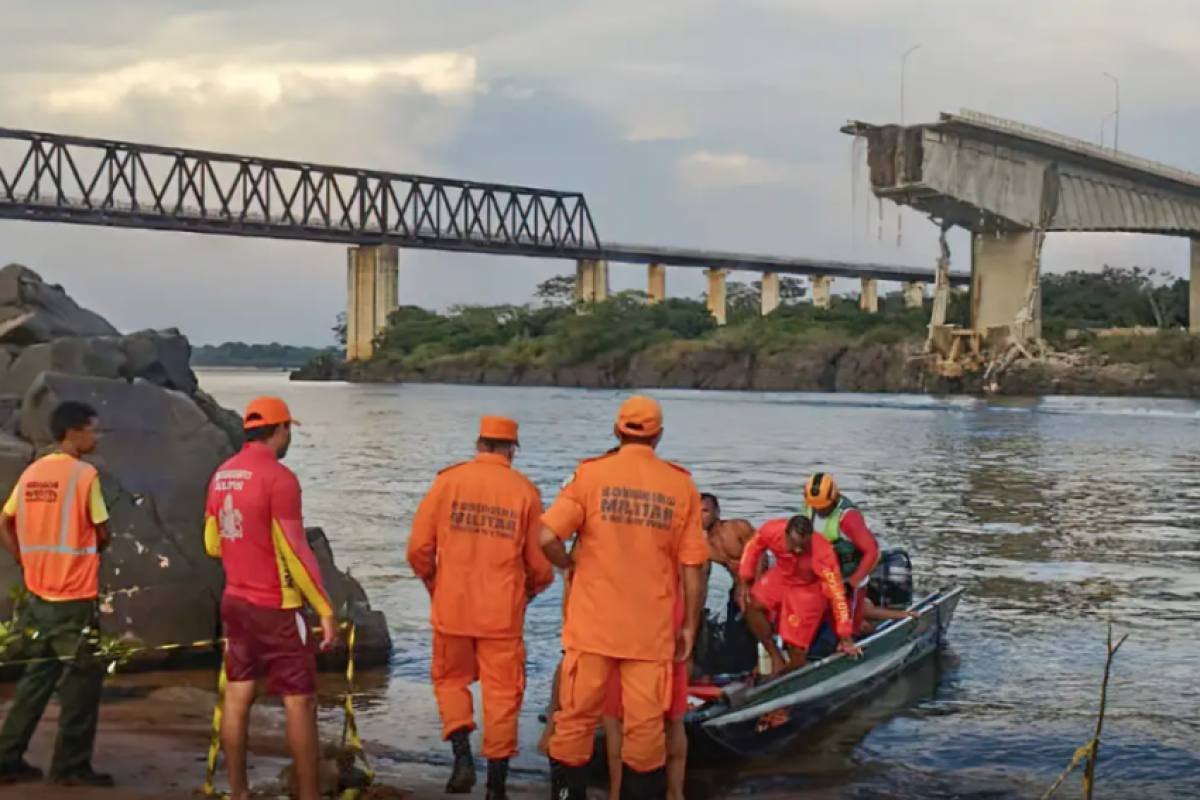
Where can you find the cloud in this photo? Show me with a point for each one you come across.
(685, 122)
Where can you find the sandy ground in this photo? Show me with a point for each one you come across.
(156, 747)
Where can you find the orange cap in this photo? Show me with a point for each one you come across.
(640, 416)
(267, 411)
(502, 429)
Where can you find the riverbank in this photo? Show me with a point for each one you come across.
(1166, 365)
(155, 742)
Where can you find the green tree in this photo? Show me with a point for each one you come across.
(557, 291)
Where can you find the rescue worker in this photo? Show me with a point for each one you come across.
(55, 524)
(254, 524)
(474, 543)
(674, 729)
(639, 525)
(803, 585)
(842, 525)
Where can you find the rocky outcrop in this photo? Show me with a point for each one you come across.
(161, 439)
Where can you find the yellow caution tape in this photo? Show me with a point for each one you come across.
(350, 737)
(214, 746)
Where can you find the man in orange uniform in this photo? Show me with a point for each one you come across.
(474, 543)
(638, 520)
(799, 589)
(255, 526)
(55, 524)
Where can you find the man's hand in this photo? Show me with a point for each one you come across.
(685, 640)
(743, 596)
(329, 633)
(848, 647)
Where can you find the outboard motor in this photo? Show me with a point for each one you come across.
(891, 584)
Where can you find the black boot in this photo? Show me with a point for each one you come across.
(567, 783)
(497, 779)
(643, 785)
(462, 778)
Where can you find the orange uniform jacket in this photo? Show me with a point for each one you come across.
(818, 565)
(475, 541)
(638, 519)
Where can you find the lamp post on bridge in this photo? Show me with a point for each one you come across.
(1116, 114)
(1104, 125)
(903, 67)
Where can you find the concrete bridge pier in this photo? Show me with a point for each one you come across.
(868, 301)
(822, 293)
(372, 293)
(656, 282)
(1194, 289)
(1005, 270)
(591, 281)
(770, 292)
(716, 294)
(914, 294)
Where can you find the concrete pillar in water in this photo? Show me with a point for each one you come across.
(914, 294)
(716, 294)
(1004, 269)
(770, 292)
(868, 301)
(821, 291)
(591, 281)
(373, 292)
(656, 282)
(1194, 289)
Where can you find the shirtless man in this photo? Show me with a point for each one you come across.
(727, 539)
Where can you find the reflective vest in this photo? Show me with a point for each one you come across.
(55, 530)
(849, 556)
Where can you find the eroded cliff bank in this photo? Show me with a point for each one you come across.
(831, 366)
(161, 440)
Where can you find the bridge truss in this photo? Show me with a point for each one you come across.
(55, 178)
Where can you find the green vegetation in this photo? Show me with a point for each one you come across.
(264, 356)
(553, 331)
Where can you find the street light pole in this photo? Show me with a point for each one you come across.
(1116, 112)
(903, 65)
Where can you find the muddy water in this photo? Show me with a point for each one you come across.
(1057, 515)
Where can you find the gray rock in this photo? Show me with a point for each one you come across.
(162, 358)
(373, 643)
(99, 357)
(33, 311)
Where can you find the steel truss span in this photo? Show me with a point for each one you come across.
(53, 178)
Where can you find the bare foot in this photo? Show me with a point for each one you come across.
(778, 666)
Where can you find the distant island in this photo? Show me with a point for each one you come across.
(1119, 331)
(256, 356)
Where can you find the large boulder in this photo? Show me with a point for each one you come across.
(160, 440)
(33, 311)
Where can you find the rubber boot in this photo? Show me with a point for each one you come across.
(567, 783)
(643, 785)
(497, 779)
(462, 777)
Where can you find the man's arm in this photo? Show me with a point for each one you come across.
(825, 564)
(755, 552)
(8, 536)
(854, 528)
(564, 517)
(538, 572)
(288, 519)
(98, 512)
(693, 556)
(422, 539)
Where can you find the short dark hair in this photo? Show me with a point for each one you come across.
(800, 525)
(644, 440)
(492, 445)
(68, 416)
(261, 433)
(712, 498)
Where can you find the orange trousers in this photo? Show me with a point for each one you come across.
(499, 666)
(583, 686)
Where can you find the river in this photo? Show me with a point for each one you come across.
(1057, 515)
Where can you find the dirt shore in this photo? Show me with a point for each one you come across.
(155, 745)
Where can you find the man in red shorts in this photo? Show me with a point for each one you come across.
(255, 526)
(796, 593)
(675, 732)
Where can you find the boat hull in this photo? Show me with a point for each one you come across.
(763, 719)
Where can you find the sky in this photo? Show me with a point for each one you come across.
(690, 123)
